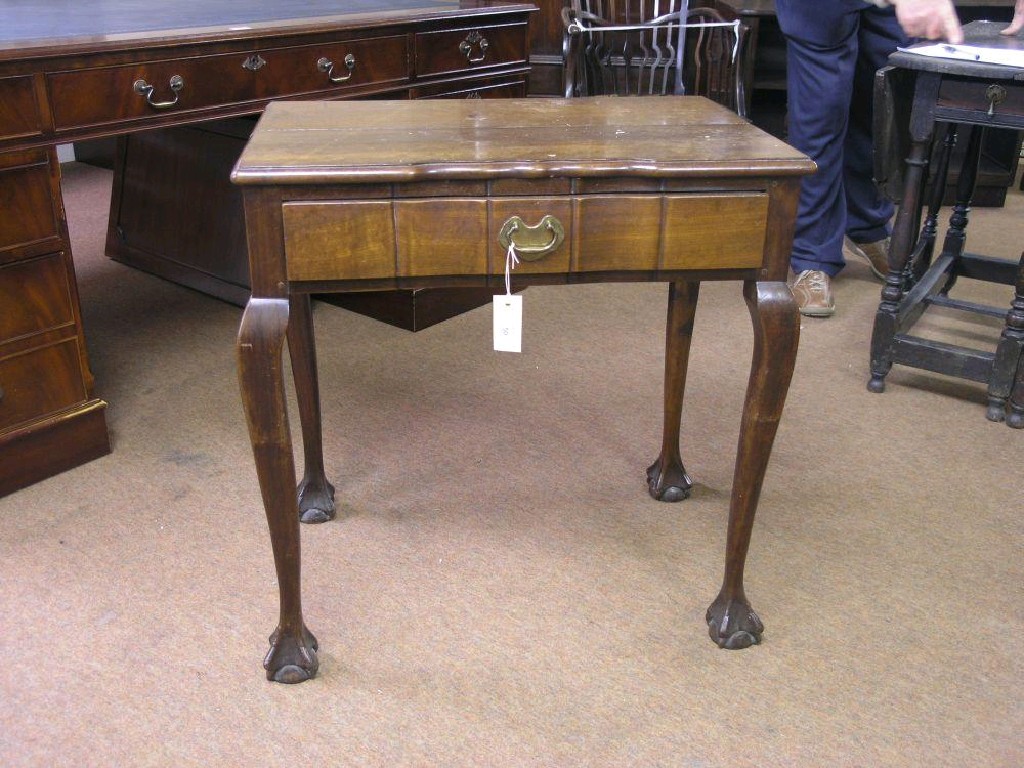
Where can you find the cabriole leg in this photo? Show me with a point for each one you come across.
(732, 622)
(292, 656)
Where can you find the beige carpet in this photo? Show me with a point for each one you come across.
(499, 589)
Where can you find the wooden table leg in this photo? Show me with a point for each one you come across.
(315, 493)
(887, 320)
(732, 623)
(292, 656)
(1006, 367)
(666, 477)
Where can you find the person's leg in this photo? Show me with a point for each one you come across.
(868, 211)
(821, 50)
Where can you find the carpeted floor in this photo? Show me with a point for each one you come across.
(499, 590)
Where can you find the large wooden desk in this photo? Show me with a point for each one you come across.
(73, 70)
(395, 194)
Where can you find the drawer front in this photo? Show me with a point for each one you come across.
(439, 53)
(39, 382)
(335, 67)
(335, 240)
(26, 208)
(478, 89)
(35, 296)
(19, 111)
(374, 239)
(110, 94)
(1005, 98)
(629, 233)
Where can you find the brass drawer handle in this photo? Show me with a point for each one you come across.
(143, 88)
(532, 243)
(326, 65)
(466, 46)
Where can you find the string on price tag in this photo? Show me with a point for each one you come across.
(508, 311)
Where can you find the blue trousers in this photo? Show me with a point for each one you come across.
(833, 49)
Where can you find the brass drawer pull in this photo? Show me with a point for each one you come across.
(326, 65)
(143, 88)
(532, 243)
(466, 46)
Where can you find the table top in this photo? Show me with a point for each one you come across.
(325, 142)
(41, 25)
(977, 33)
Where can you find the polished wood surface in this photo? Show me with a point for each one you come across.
(398, 194)
(71, 71)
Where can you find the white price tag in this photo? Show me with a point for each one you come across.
(508, 323)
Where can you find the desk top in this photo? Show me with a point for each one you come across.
(401, 141)
(33, 27)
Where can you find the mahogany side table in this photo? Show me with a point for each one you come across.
(400, 194)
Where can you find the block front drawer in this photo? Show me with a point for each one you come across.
(357, 240)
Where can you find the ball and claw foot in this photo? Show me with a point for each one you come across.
(733, 624)
(316, 500)
(996, 409)
(669, 483)
(291, 659)
(877, 384)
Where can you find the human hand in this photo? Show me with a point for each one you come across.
(933, 19)
(1018, 20)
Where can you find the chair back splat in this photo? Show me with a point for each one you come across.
(654, 47)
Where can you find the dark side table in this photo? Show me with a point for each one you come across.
(394, 194)
(950, 100)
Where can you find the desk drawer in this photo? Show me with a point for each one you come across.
(19, 111)
(35, 296)
(26, 207)
(352, 64)
(42, 381)
(439, 53)
(109, 94)
(974, 94)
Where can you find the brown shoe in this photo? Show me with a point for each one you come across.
(875, 254)
(812, 290)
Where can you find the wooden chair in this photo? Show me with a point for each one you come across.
(654, 47)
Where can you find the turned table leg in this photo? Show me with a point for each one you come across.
(666, 477)
(315, 493)
(732, 623)
(887, 319)
(292, 656)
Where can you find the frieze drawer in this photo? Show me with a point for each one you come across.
(587, 233)
(115, 94)
(439, 53)
(339, 66)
